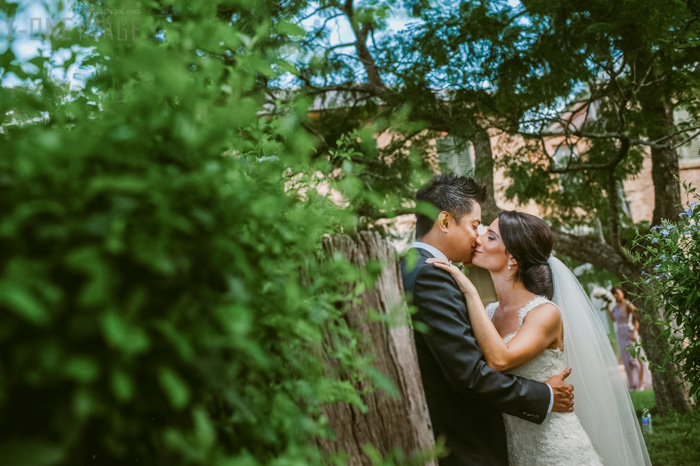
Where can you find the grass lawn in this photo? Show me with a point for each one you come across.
(676, 437)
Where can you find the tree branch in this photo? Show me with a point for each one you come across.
(373, 76)
(590, 249)
(314, 13)
(586, 135)
(613, 198)
(345, 87)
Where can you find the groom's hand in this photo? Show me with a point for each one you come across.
(563, 392)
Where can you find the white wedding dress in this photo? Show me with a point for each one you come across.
(561, 438)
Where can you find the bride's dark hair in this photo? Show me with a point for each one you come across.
(529, 240)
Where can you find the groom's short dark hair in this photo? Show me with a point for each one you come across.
(451, 193)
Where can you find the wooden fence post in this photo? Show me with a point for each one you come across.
(388, 423)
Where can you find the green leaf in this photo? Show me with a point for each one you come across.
(83, 403)
(290, 29)
(7, 56)
(203, 427)
(121, 385)
(174, 387)
(24, 304)
(383, 383)
(288, 67)
(120, 334)
(39, 62)
(90, 261)
(374, 455)
(428, 210)
(9, 8)
(81, 369)
(177, 339)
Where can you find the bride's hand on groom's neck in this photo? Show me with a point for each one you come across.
(465, 285)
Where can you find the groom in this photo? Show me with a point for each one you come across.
(466, 398)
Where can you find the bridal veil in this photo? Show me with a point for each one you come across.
(601, 400)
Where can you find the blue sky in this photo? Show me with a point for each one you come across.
(33, 17)
(36, 17)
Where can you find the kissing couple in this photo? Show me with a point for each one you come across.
(494, 377)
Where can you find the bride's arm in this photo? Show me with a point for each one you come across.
(541, 328)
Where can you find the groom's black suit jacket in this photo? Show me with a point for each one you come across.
(466, 398)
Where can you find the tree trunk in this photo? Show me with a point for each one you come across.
(670, 390)
(388, 423)
(664, 165)
(483, 171)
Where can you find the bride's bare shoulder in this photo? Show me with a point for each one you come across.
(547, 312)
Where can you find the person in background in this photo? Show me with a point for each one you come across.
(624, 314)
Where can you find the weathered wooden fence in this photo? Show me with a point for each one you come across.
(388, 423)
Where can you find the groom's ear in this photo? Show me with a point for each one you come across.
(443, 220)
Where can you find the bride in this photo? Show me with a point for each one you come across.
(542, 322)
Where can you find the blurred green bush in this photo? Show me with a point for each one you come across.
(162, 300)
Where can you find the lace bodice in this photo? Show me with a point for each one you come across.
(549, 362)
(560, 439)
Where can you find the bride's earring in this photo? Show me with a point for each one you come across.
(508, 265)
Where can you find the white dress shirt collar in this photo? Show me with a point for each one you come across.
(431, 249)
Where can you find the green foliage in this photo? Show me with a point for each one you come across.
(518, 69)
(642, 400)
(162, 295)
(396, 456)
(515, 69)
(378, 182)
(521, 68)
(675, 438)
(669, 255)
